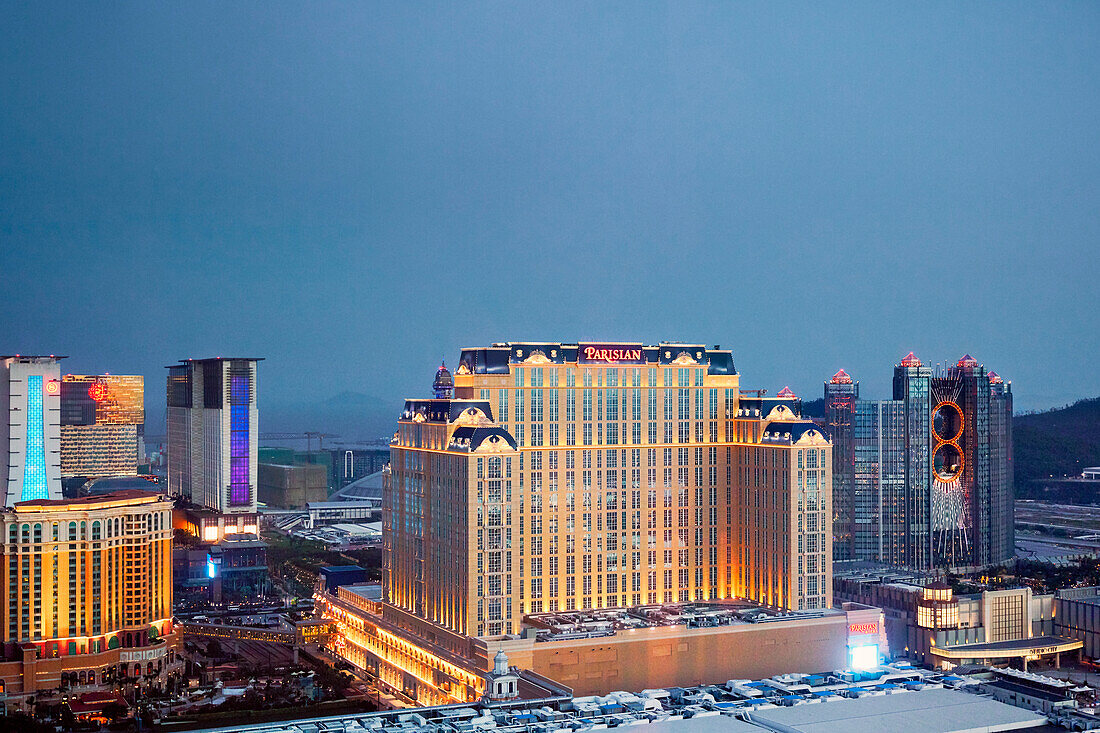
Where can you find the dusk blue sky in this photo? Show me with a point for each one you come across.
(354, 191)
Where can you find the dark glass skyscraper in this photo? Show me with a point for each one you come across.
(212, 437)
(925, 479)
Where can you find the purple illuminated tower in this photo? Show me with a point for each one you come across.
(212, 441)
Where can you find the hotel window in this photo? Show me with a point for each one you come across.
(570, 377)
(519, 376)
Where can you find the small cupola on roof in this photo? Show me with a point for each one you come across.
(444, 384)
(786, 394)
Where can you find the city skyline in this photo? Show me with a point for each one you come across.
(904, 178)
(467, 366)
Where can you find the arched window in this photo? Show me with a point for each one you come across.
(72, 531)
(55, 532)
(13, 534)
(83, 530)
(95, 530)
(26, 533)
(37, 532)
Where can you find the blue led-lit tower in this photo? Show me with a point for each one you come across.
(213, 433)
(30, 401)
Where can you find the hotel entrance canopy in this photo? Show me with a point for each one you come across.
(1026, 649)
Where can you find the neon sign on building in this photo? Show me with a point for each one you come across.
(610, 354)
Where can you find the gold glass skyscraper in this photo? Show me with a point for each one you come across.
(102, 424)
(552, 477)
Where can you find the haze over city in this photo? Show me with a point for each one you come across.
(355, 193)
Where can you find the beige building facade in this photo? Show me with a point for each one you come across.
(558, 477)
(88, 589)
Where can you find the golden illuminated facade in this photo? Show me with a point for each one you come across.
(552, 477)
(88, 589)
(937, 608)
(102, 424)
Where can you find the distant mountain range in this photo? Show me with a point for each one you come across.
(1059, 442)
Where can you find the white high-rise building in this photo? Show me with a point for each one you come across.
(213, 439)
(30, 431)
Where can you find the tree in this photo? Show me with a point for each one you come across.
(22, 723)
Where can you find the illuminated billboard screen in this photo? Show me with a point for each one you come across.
(864, 657)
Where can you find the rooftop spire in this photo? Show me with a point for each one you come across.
(444, 384)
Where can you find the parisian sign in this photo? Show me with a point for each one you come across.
(610, 354)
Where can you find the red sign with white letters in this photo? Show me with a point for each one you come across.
(862, 628)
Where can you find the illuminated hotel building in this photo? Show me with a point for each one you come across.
(213, 432)
(102, 424)
(554, 477)
(924, 480)
(88, 592)
(30, 433)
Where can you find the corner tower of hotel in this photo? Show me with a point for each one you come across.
(30, 432)
(555, 476)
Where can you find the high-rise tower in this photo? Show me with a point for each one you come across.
(30, 431)
(930, 482)
(841, 394)
(567, 477)
(213, 426)
(102, 424)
